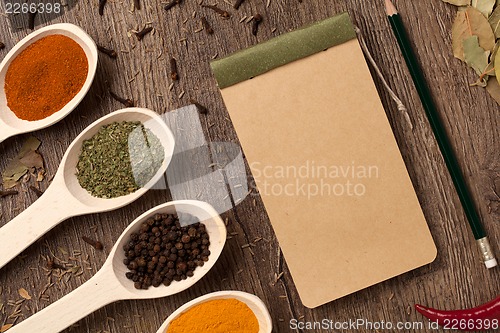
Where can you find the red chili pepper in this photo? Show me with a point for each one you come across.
(483, 317)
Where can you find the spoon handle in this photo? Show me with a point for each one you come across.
(90, 296)
(5, 132)
(44, 214)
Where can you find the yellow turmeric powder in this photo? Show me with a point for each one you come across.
(216, 316)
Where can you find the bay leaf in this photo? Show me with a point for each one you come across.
(13, 169)
(494, 20)
(31, 143)
(471, 22)
(458, 2)
(32, 159)
(497, 68)
(493, 88)
(484, 6)
(490, 70)
(8, 184)
(475, 56)
(16, 169)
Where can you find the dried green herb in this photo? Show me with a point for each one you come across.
(471, 22)
(119, 159)
(475, 56)
(458, 2)
(484, 6)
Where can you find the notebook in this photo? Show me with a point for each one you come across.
(324, 160)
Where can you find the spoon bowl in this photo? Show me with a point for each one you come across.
(10, 125)
(110, 284)
(65, 197)
(202, 212)
(253, 302)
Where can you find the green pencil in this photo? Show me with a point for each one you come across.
(440, 134)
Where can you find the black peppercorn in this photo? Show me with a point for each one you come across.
(162, 251)
(132, 266)
(186, 239)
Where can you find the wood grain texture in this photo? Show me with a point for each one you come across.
(456, 279)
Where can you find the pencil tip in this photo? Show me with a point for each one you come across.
(390, 8)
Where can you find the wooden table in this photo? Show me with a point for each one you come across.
(456, 279)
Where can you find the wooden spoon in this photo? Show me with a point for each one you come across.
(110, 284)
(254, 303)
(10, 125)
(65, 197)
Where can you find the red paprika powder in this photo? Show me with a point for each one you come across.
(44, 77)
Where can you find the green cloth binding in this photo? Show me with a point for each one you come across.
(281, 50)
